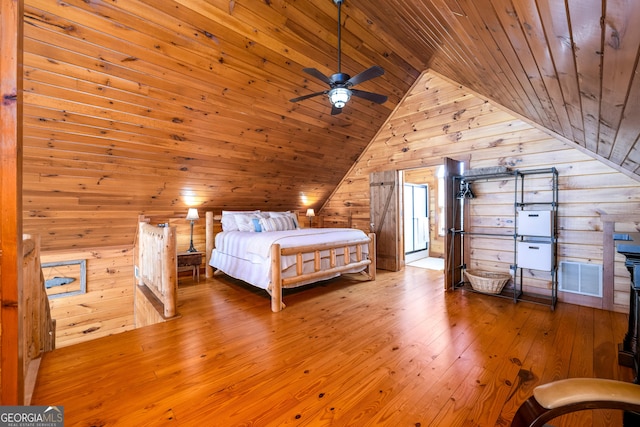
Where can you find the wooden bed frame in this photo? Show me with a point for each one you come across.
(278, 283)
(157, 270)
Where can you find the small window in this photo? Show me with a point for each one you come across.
(65, 278)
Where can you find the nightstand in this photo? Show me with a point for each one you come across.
(190, 261)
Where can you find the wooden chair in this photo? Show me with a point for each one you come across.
(576, 394)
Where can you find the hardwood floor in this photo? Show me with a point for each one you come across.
(394, 352)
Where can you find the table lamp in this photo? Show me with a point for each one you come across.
(192, 215)
(310, 214)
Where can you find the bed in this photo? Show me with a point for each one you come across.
(270, 251)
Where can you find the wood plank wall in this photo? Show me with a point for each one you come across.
(107, 307)
(133, 107)
(438, 118)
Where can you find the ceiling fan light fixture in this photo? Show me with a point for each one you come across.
(340, 83)
(339, 96)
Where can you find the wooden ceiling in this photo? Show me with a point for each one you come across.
(151, 106)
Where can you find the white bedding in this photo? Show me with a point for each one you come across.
(246, 255)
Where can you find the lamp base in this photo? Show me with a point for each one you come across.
(191, 247)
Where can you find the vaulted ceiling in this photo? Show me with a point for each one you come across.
(145, 103)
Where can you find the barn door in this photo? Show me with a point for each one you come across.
(385, 211)
(452, 243)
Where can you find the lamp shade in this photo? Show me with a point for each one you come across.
(310, 212)
(339, 96)
(192, 214)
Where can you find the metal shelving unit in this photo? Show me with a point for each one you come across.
(535, 231)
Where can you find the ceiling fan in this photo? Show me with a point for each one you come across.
(341, 84)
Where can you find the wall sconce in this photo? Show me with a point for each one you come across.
(192, 215)
(310, 214)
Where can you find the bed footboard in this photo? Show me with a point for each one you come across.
(278, 282)
(157, 265)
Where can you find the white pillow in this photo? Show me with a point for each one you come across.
(278, 223)
(245, 221)
(287, 214)
(231, 223)
(228, 223)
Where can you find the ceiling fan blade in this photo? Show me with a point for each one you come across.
(335, 110)
(311, 95)
(317, 74)
(368, 74)
(375, 97)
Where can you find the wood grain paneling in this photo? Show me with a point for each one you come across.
(489, 136)
(146, 107)
(132, 108)
(107, 307)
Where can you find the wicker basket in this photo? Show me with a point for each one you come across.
(488, 282)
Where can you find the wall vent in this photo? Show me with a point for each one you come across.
(580, 278)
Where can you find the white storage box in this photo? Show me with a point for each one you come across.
(535, 223)
(535, 255)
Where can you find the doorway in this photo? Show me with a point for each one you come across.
(387, 218)
(416, 221)
(423, 213)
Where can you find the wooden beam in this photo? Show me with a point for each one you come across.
(11, 377)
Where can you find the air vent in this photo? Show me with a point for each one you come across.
(580, 278)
